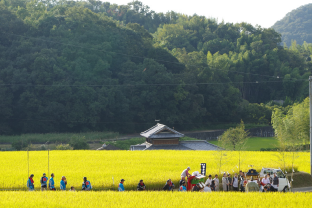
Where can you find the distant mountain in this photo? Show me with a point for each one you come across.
(296, 25)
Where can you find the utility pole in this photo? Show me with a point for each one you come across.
(310, 96)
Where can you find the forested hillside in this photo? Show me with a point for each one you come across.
(296, 25)
(69, 66)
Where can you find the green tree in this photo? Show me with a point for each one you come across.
(234, 138)
(292, 128)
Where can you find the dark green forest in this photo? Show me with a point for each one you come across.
(68, 66)
(296, 26)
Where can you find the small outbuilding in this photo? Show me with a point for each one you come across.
(161, 137)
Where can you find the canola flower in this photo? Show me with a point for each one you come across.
(153, 199)
(105, 168)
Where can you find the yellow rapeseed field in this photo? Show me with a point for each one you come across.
(153, 199)
(105, 168)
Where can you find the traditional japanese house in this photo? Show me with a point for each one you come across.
(161, 137)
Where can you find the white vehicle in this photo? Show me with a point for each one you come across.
(284, 184)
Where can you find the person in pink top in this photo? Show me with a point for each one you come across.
(185, 173)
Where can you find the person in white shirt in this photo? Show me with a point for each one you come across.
(216, 180)
(225, 182)
(185, 173)
(265, 180)
(235, 182)
(209, 180)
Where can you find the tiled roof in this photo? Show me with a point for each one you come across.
(155, 130)
(199, 145)
(186, 145)
(167, 147)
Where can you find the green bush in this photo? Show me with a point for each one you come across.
(19, 144)
(63, 147)
(79, 143)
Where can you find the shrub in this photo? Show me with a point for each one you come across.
(79, 143)
(19, 144)
(63, 147)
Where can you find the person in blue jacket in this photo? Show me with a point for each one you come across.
(121, 186)
(86, 185)
(183, 187)
(30, 183)
(63, 183)
(51, 183)
(43, 182)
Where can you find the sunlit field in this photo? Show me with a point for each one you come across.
(105, 168)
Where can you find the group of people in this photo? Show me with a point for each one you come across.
(237, 183)
(86, 185)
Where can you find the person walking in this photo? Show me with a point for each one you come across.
(63, 183)
(141, 186)
(216, 182)
(86, 185)
(225, 182)
(185, 173)
(275, 182)
(121, 186)
(43, 182)
(235, 182)
(51, 183)
(30, 183)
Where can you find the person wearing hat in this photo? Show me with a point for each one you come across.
(51, 183)
(185, 173)
(183, 187)
(121, 186)
(63, 183)
(141, 186)
(43, 182)
(30, 183)
(86, 185)
(209, 180)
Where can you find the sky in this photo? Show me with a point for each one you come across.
(264, 13)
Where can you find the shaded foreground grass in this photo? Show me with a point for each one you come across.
(256, 143)
(153, 199)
